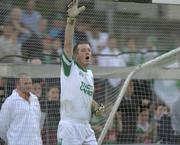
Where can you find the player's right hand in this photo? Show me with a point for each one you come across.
(73, 10)
(100, 110)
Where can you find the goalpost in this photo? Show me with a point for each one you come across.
(159, 61)
(172, 56)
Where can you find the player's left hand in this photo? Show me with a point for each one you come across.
(100, 110)
(73, 10)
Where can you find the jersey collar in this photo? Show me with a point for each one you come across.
(85, 70)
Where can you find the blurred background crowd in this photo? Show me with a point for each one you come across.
(34, 31)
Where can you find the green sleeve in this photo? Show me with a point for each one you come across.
(66, 64)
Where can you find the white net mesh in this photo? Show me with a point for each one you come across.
(148, 98)
(139, 101)
(33, 43)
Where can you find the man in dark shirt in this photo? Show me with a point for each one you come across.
(129, 111)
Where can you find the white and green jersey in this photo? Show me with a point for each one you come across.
(77, 89)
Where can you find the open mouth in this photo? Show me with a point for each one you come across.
(87, 57)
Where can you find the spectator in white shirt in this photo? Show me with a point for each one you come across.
(20, 115)
(113, 59)
(97, 38)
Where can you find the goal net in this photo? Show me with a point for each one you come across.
(145, 112)
(138, 110)
(123, 35)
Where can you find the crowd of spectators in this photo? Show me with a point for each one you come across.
(26, 34)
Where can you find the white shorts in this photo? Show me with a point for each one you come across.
(70, 133)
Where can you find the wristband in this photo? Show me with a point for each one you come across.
(71, 20)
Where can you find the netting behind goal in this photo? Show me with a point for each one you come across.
(146, 114)
(136, 33)
(143, 115)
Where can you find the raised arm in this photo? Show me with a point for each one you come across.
(73, 12)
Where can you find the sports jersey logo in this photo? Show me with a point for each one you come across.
(86, 88)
